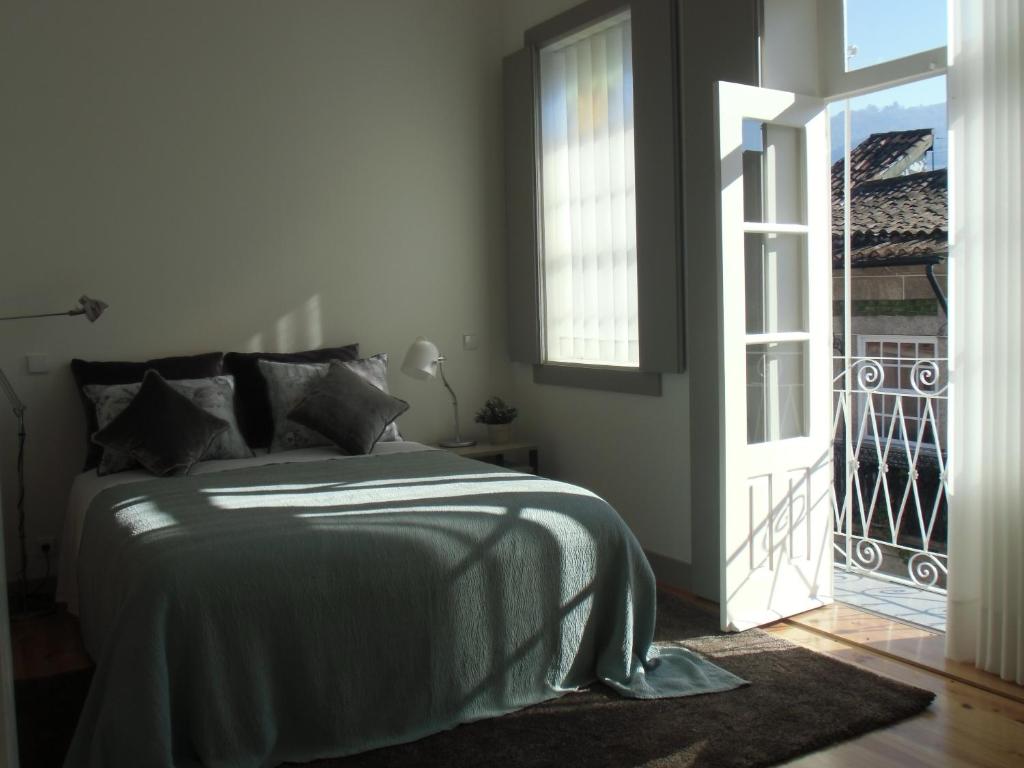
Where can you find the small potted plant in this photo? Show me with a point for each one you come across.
(498, 416)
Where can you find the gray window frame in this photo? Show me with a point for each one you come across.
(659, 206)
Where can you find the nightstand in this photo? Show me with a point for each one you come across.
(497, 453)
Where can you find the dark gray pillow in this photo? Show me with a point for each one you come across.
(344, 407)
(106, 373)
(375, 370)
(161, 428)
(251, 401)
(288, 383)
(287, 386)
(214, 395)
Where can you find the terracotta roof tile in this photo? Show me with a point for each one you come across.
(892, 217)
(882, 155)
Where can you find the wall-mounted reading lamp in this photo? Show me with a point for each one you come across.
(92, 309)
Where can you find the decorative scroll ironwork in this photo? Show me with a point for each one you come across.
(890, 471)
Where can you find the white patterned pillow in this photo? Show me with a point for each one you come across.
(215, 395)
(289, 383)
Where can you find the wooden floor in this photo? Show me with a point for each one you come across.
(47, 645)
(976, 719)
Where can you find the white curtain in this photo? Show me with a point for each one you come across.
(986, 511)
(589, 205)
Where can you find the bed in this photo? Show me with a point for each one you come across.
(305, 604)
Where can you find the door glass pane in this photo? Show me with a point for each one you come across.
(776, 283)
(776, 391)
(772, 173)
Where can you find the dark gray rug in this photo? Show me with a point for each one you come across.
(798, 701)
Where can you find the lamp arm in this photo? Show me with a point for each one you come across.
(17, 406)
(71, 312)
(91, 308)
(455, 400)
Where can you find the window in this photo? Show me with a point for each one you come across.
(910, 373)
(593, 198)
(862, 45)
(588, 198)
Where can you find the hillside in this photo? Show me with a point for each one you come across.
(894, 117)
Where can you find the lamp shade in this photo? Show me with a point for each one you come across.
(421, 359)
(92, 308)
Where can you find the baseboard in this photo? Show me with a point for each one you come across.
(668, 570)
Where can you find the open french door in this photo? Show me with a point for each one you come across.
(775, 263)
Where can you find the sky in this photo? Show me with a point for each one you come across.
(888, 29)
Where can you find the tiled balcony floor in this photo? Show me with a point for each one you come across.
(898, 601)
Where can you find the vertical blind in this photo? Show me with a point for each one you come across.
(588, 197)
(986, 515)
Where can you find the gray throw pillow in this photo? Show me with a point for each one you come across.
(161, 429)
(215, 395)
(289, 383)
(348, 409)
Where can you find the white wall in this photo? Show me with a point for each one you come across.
(718, 42)
(244, 174)
(790, 46)
(254, 174)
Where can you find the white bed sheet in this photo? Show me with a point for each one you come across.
(88, 484)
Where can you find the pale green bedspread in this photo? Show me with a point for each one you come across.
(297, 611)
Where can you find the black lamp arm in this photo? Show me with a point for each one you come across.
(45, 314)
(17, 406)
(91, 308)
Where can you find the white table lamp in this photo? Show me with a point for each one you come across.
(424, 361)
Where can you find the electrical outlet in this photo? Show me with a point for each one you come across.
(37, 363)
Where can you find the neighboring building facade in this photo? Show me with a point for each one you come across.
(898, 229)
(898, 247)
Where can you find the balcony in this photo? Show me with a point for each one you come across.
(889, 485)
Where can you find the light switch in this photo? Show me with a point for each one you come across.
(470, 341)
(38, 363)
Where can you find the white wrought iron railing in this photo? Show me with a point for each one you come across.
(890, 468)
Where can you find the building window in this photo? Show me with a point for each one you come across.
(910, 375)
(588, 198)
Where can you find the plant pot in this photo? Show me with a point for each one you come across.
(499, 434)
